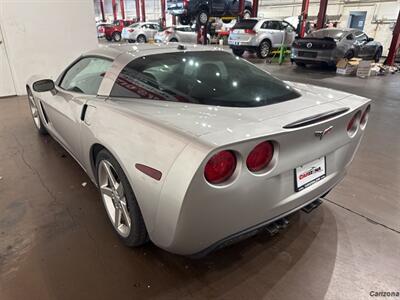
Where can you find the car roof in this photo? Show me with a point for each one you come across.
(138, 50)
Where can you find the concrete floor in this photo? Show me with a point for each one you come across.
(56, 243)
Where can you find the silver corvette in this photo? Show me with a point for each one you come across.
(192, 147)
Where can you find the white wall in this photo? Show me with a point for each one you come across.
(43, 36)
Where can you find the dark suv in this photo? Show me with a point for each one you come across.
(201, 10)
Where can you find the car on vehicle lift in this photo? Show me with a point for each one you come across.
(260, 36)
(201, 10)
(329, 45)
(140, 32)
(113, 31)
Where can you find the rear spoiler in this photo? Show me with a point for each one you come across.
(317, 118)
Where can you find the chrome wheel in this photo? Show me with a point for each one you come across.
(113, 195)
(34, 110)
(141, 39)
(264, 49)
(203, 18)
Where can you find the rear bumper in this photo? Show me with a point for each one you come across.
(177, 11)
(326, 56)
(245, 44)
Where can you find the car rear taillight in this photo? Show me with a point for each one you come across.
(131, 30)
(260, 156)
(168, 32)
(185, 3)
(220, 167)
(352, 126)
(364, 117)
(249, 31)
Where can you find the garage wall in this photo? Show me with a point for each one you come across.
(380, 19)
(42, 36)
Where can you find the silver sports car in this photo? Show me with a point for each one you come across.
(192, 147)
(331, 44)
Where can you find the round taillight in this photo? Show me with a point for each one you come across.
(364, 117)
(353, 124)
(260, 156)
(220, 167)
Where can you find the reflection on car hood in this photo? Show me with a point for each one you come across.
(198, 120)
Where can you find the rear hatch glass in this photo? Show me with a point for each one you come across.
(245, 24)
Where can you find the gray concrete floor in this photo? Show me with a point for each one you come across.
(56, 243)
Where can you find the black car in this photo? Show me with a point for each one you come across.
(201, 10)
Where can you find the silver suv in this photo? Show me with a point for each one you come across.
(260, 36)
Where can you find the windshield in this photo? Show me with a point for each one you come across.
(245, 24)
(211, 78)
(336, 34)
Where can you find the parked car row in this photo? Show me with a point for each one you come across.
(327, 45)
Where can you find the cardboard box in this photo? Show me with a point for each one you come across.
(347, 67)
(364, 69)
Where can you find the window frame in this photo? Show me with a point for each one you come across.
(62, 75)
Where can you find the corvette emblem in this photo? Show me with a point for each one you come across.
(322, 133)
(309, 45)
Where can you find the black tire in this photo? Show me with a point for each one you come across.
(202, 17)
(116, 36)
(247, 13)
(238, 52)
(264, 49)
(108, 38)
(40, 125)
(141, 39)
(138, 233)
(378, 55)
(131, 41)
(173, 40)
(349, 54)
(300, 64)
(184, 20)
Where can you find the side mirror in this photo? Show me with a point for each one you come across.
(44, 85)
(370, 39)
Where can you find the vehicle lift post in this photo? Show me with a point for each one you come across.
(395, 44)
(173, 20)
(304, 15)
(114, 9)
(137, 10)
(122, 7)
(102, 10)
(254, 11)
(241, 8)
(163, 16)
(142, 4)
(323, 4)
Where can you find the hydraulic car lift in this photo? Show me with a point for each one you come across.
(395, 44)
(323, 5)
(143, 10)
(304, 15)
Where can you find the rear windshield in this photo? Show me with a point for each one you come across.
(245, 24)
(211, 78)
(331, 33)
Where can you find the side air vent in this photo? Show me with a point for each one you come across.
(44, 113)
(317, 118)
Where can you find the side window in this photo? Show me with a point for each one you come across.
(350, 37)
(274, 25)
(86, 75)
(265, 25)
(361, 36)
(286, 26)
